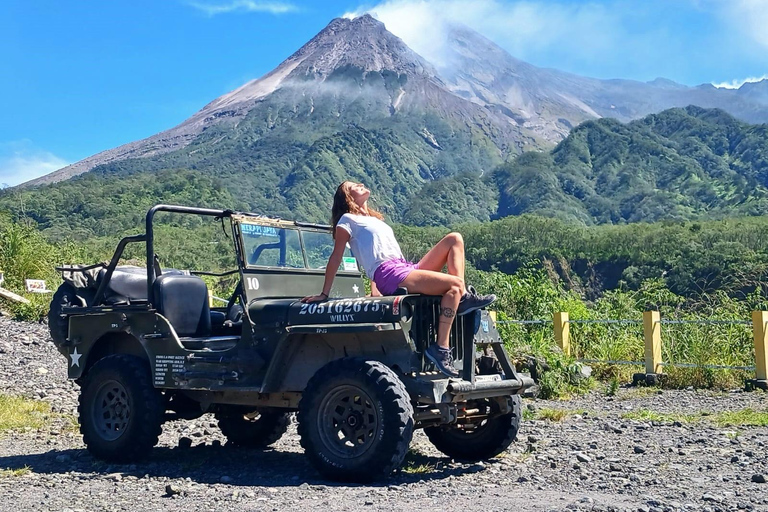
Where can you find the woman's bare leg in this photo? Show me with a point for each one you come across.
(448, 251)
(450, 287)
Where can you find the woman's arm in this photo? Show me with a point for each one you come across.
(374, 290)
(340, 243)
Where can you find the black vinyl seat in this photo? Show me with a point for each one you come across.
(183, 300)
(128, 284)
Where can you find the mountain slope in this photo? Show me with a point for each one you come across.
(679, 164)
(515, 104)
(356, 103)
(549, 102)
(354, 72)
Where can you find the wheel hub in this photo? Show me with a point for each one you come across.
(348, 421)
(355, 419)
(111, 411)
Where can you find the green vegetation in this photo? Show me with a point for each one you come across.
(26, 254)
(739, 418)
(532, 294)
(19, 413)
(6, 473)
(416, 463)
(556, 415)
(692, 258)
(680, 164)
(659, 417)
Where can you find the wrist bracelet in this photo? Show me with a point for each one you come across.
(323, 293)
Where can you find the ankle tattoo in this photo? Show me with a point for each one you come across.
(447, 312)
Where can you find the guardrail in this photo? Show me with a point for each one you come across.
(652, 323)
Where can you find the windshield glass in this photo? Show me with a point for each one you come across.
(319, 246)
(269, 246)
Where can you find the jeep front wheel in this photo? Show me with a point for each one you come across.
(481, 440)
(253, 430)
(355, 420)
(121, 413)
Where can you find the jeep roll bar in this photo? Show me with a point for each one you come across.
(150, 235)
(149, 238)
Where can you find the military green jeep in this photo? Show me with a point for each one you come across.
(146, 346)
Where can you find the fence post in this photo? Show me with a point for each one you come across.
(652, 335)
(562, 331)
(760, 331)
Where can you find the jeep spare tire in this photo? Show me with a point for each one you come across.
(355, 420)
(58, 323)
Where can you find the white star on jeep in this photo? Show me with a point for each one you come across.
(355, 288)
(75, 358)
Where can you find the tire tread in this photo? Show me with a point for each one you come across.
(395, 399)
(149, 405)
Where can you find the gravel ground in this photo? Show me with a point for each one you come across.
(592, 460)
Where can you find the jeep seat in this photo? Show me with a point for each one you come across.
(183, 300)
(128, 283)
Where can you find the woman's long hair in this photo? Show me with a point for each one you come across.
(343, 203)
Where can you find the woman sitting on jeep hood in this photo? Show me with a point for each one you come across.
(374, 245)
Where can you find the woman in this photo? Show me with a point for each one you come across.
(373, 244)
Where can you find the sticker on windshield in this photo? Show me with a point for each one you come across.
(254, 229)
(350, 264)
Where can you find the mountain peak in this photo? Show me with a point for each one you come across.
(362, 42)
(665, 83)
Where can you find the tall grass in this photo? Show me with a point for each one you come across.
(532, 294)
(26, 254)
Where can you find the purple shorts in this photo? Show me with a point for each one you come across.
(391, 273)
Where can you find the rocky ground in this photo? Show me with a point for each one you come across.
(594, 459)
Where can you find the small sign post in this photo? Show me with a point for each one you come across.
(36, 286)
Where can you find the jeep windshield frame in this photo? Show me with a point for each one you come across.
(302, 247)
(236, 218)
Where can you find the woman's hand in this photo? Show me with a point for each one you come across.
(315, 298)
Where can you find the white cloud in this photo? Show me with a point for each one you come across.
(21, 161)
(527, 29)
(736, 83)
(750, 17)
(213, 8)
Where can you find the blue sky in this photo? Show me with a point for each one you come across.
(80, 77)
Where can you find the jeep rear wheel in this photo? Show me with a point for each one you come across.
(253, 430)
(355, 420)
(483, 440)
(121, 412)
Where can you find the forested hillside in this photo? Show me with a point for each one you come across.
(689, 163)
(692, 258)
(681, 164)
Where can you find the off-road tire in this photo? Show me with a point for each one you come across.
(65, 296)
(487, 441)
(121, 413)
(384, 427)
(259, 432)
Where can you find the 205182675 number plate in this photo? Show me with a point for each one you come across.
(357, 310)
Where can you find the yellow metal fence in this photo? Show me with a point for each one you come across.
(652, 334)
